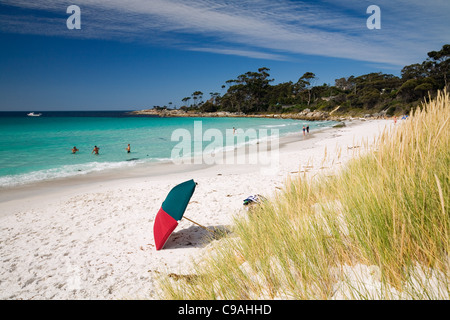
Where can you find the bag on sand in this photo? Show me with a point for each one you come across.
(257, 198)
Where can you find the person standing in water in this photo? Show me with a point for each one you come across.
(95, 150)
(307, 128)
(304, 129)
(74, 150)
(128, 148)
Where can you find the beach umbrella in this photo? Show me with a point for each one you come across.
(171, 211)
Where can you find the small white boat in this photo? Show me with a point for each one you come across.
(32, 114)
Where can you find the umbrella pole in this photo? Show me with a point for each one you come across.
(198, 224)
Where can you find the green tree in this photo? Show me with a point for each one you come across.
(306, 82)
(414, 71)
(197, 95)
(248, 92)
(441, 63)
(344, 83)
(215, 97)
(186, 100)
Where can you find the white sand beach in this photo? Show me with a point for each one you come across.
(92, 237)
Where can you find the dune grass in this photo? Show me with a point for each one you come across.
(379, 229)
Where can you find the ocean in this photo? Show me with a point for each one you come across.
(39, 148)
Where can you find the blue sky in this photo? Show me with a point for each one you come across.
(135, 54)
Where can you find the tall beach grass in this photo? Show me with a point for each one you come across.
(379, 229)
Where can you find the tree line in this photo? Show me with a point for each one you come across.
(252, 92)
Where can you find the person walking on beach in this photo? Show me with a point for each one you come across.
(95, 150)
(74, 150)
(128, 148)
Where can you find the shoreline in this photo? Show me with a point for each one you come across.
(306, 114)
(76, 171)
(93, 239)
(140, 170)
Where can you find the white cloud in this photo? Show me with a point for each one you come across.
(266, 29)
(243, 53)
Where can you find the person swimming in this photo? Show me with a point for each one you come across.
(96, 149)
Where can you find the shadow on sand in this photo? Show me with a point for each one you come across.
(195, 237)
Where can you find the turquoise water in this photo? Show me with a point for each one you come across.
(39, 148)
